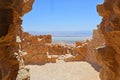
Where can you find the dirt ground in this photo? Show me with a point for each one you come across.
(63, 71)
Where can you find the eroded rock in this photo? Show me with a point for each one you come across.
(10, 26)
(103, 50)
(110, 27)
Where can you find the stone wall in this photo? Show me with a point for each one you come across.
(40, 50)
(35, 48)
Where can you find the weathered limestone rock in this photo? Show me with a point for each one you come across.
(36, 38)
(39, 49)
(23, 74)
(103, 50)
(57, 49)
(110, 27)
(10, 27)
(35, 48)
(78, 43)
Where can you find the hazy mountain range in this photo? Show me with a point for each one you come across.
(63, 33)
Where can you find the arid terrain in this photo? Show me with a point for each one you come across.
(63, 71)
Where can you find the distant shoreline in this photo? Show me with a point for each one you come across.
(64, 33)
(69, 39)
(71, 36)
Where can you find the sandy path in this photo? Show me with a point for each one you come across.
(63, 71)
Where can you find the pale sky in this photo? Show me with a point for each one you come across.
(62, 15)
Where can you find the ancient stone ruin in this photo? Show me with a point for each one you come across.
(102, 51)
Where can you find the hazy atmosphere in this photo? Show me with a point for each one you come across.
(62, 15)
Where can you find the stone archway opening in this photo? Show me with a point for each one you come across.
(104, 52)
(44, 52)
